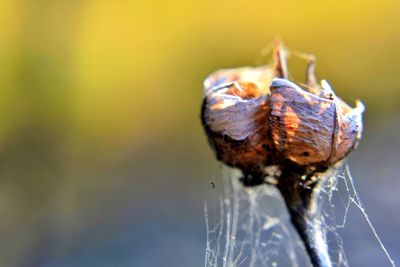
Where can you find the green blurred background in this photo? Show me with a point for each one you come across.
(103, 161)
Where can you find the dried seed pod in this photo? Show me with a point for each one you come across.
(255, 118)
(265, 125)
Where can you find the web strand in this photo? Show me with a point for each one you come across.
(356, 200)
(252, 226)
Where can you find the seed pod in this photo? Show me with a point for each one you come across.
(255, 118)
(262, 123)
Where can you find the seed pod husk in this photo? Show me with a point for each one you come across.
(309, 129)
(234, 115)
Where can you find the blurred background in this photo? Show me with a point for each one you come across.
(103, 161)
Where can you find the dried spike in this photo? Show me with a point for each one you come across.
(280, 59)
(311, 80)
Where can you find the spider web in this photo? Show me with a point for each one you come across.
(250, 226)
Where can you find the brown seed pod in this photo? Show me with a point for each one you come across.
(255, 118)
(265, 125)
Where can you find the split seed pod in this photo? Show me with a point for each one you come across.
(255, 118)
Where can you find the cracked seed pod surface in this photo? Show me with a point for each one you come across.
(255, 117)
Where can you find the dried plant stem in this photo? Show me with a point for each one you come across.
(301, 197)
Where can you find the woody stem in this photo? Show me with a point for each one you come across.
(302, 204)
